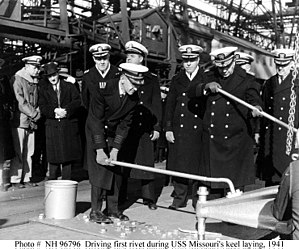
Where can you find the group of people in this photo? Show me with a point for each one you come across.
(208, 133)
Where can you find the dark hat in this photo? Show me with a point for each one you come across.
(79, 74)
(190, 51)
(136, 48)
(224, 56)
(34, 60)
(243, 58)
(134, 72)
(100, 50)
(50, 68)
(283, 56)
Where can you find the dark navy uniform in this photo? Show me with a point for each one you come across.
(273, 159)
(184, 119)
(91, 83)
(108, 120)
(286, 203)
(138, 147)
(228, 145)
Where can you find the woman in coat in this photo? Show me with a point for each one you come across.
(59, 100)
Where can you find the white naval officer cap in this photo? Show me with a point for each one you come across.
(283, 56)
(136, 48)
(224, 56)
(34, 60)
(190, 51)
(134, 72)
(100, 50)
(243, 58)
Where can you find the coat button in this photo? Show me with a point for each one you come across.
(182, 115)
(213, 102)
(212, 125)
(212, 136)
(226, 126)
(195, 126)
(183, 104)
(227, 114)
(225, 137)
(281, 108)
(212, 113)
(182, 125)
(184, 94)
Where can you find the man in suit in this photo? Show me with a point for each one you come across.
(59, 102)
(145, 129)
(109, 119)
(228, 150)
(278, 95)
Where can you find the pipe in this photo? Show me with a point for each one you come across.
(266, 115)
(178, 174)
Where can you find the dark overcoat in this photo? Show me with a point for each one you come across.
(228, 144)
(6, 101)
(184, 119)
(91, 82)
(272, 158)
(62, 135)
(109, 120)
(138, 147)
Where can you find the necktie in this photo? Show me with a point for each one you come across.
(58, 94)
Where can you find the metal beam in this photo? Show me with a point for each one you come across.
(21, 25)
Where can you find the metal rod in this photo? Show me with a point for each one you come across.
(266, 115)
(178, 174)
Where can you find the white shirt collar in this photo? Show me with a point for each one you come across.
(121, 91)
(105, 73)
(191, 77)
(56, 86)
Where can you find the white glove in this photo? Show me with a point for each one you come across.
(169, 136)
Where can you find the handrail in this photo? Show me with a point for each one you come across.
(178, 174)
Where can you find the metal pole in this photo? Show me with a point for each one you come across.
(266, 115)
(178, 174)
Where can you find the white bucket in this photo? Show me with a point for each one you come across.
(60, 199)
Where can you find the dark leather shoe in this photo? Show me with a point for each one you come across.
(174, 207)
(152, 206)
(99, 217)
(30, 184)
(119, 216)
(17, 185)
